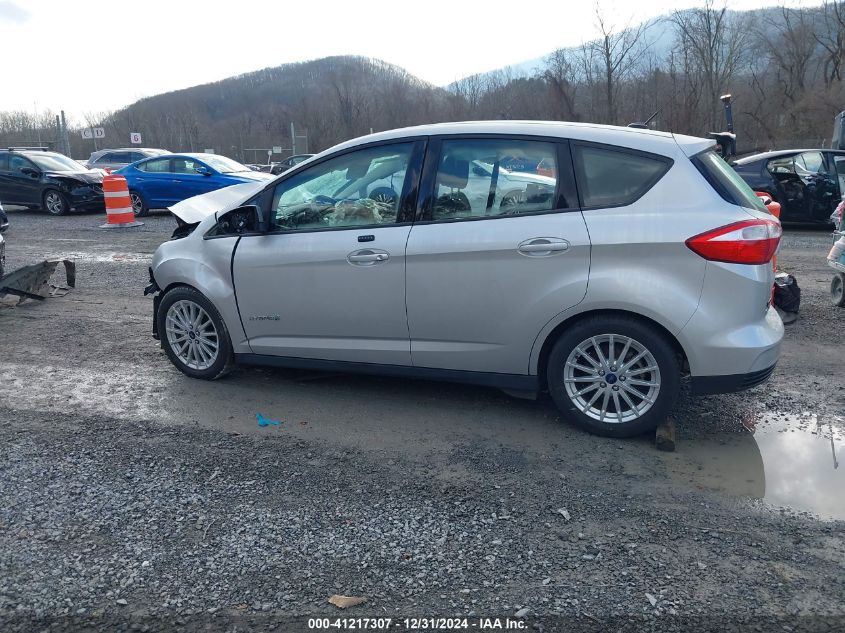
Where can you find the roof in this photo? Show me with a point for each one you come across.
(783, 152)
(634, 138)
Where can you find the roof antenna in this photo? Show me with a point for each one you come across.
(644, 124)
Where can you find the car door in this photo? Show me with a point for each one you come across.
(485, 273)
(188, 182)
(154, 180)
(820, 185)
(18, 187)
(328, 281)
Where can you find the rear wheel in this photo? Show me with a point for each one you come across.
(837, 290)
(55, 203)
(193, 334)
(614, 376)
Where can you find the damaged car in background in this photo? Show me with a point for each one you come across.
(38, 178)
(417, 253)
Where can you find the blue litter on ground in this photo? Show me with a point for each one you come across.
(262, 421)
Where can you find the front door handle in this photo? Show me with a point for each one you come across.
(367, 257)
(543, 246)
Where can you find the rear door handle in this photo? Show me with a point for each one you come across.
(367, 257)
(543, 246)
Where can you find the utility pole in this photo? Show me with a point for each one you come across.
(292, 138)
(65, 138)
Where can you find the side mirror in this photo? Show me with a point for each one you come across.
(202, 169)
(30, 171)
(246, 219)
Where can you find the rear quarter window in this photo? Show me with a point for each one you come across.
(613, 177)
(727, 183)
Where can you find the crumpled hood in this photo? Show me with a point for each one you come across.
(199, 207)
(92, 177)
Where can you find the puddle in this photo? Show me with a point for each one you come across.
(105, 257)
(794, 461)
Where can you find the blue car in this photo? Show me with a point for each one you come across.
(162, 181)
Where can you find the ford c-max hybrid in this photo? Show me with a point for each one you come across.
(630, 261)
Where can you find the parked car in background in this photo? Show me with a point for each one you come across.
(284, 165)
(808, 183)
(111, 159)
(157, 183)
(38, 178)
(587, 284)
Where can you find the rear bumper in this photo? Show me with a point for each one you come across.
(708, 385)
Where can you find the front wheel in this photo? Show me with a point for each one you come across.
(55, 203)
(193, 334)
(614, 376)
(139, 207)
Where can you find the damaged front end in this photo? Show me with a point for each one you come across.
(33, 282)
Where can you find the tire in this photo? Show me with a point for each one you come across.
(55, 203)
(139, 206)
(646, 405)
(837, 290)
(179, 306)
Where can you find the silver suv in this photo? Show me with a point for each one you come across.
(111, 159)
(601, 264)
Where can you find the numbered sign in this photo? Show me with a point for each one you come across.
(93, 132)
(135, 137)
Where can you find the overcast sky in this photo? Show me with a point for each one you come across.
(87, 56)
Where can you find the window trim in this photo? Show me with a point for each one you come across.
(581, 176)
(407, 197)
(565, 187)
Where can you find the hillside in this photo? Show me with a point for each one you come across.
(333, 98)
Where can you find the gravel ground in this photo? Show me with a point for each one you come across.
(137, 499)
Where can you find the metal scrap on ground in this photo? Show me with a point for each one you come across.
(33, 281)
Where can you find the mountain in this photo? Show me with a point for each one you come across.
(328, 99)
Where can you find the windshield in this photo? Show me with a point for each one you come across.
(726, 181)
(222, 164)
(55, 162)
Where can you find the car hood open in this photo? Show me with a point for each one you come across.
(198, 208)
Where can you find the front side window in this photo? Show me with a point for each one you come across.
(811, 162)
(479, 178)
(610, 178)
(185, 166)
(781, 165)
(362, 188)
(18, 162)
(160, 165)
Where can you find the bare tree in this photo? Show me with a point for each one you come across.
(615, 51)
(715, 46)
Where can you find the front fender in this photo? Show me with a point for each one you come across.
(207, 266)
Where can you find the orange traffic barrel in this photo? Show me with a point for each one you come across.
(118, 205)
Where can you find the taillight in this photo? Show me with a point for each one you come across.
(747, 242)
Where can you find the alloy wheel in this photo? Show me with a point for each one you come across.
(54, 203)
(191, 335)
(612, 378)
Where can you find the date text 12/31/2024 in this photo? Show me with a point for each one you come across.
(419, 624)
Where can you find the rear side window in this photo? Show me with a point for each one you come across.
(482, 178)
(727, 183)
(610, 177)
(4, 163)
(160, 165)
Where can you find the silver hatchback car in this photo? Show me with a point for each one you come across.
(600, 264)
